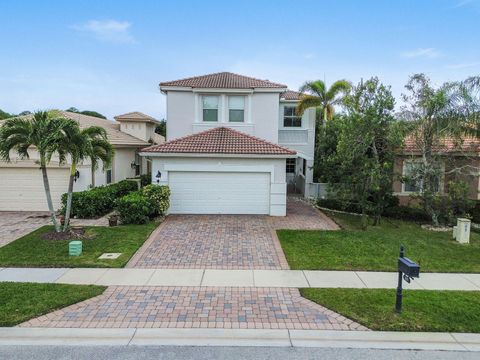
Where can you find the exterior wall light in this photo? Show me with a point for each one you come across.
(76, 176)
(158, 176)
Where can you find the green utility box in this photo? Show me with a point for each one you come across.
(75, 248)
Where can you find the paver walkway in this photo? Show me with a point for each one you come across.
(15, 224)
(225, 241)
(186, 307)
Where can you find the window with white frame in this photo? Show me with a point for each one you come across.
(290, 117)
(412, 182)
(210, 108)
(290, 167)
(236, 108)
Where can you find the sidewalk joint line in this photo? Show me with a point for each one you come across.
(306, 279)
(470, 281)
(363, 282)
(290, 338)
(133, 335)
(201, 280)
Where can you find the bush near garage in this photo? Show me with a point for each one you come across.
(98, 201)
(140, 206)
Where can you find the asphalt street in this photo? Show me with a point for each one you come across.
(224, 353)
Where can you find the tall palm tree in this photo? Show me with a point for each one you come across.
(82, 144)
(315, 94)
(45, 134)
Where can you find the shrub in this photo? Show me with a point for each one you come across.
(159, 197)
(145, 179)
(99, 200)
(340, 205)
(406, 213)
(134, 208)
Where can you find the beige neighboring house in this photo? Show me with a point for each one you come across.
(21, 186)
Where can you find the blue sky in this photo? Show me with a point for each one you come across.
(110, 56)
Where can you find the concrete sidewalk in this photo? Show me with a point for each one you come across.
(241, 337)
(238, 278)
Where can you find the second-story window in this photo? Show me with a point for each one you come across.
(210, 108)
(290, 117)
(236, 108)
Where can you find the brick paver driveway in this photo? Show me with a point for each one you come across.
(226, 241)
(15, 224)
(181, 307)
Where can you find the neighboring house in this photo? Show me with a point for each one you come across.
(21, 185)
(233, 143)
(464, 157)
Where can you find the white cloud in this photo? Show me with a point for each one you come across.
(462, 3)
(429, 53)
(308, 56)
(463, 65)
(107, 30)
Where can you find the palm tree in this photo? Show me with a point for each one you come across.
(81, 144)
(44, 133)
(315, 94)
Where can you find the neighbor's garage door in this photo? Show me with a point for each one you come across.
(219, 193)
(21, 189)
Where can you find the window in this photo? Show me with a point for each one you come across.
(290, 118)
(291, 163)
(138, 161)
(109, 176)
(304, 169)
(210, 108)
(236, 108)
(412, 183)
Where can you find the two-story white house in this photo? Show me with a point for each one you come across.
(233, 144)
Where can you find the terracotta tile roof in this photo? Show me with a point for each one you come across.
(135, 116)
(223, 80)
(469, 144)
(220, 140)
(114, 135)
(290, 95)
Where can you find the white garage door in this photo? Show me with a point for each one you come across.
(21, 189)
(219, 193)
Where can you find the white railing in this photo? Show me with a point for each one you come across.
(317, 190)
(292, 136)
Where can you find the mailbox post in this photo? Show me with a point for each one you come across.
(407, 270)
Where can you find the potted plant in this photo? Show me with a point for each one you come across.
(113, 220)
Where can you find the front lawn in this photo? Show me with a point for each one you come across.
(423, 310)
(20, 302)
(33, 250)
(377, 248)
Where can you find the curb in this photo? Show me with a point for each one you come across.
(241, 337)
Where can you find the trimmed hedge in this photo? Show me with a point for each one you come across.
(98, 201)
(140, 206)
(394, 211)
(145, 179)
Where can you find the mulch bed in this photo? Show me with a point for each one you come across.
(71, 234)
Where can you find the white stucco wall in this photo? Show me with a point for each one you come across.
(276, 167)
(135, 128)
(121, 164)
(184, 114)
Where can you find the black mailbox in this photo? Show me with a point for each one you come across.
(408, 267)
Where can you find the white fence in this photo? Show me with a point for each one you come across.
(316, 190)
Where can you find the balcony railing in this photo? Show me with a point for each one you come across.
(292, 136)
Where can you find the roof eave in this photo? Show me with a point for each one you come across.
(217, 155)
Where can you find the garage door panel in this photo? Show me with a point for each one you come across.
(21, 189)
(219, 193)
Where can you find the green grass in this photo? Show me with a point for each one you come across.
(423, 310)
(20, 302)
(32, 250)
(377, 248)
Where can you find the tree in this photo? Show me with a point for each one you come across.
(437, 116)
(366, 147)
(315, 94)
(45, 133)
(81, 144)
(86, 112)
(162, 128)
(5, 115)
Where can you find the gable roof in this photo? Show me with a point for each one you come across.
(114, 135)
(136, 116)
(220, 140)
(290, 95)
(223, 80)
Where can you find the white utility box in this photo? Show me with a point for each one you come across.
(463, 231)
